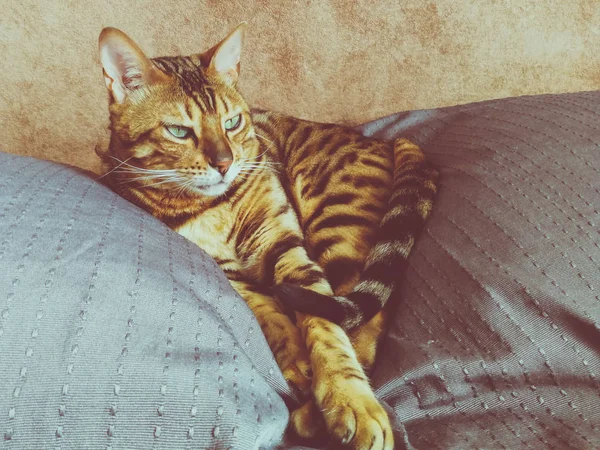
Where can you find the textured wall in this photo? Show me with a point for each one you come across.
(331, 60)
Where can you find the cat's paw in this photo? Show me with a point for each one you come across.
(307, 421)
(354, 417)
(292, 358)
(297, 372)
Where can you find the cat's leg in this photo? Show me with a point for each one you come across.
(284, 338)
(340, 386)
(342, 391)
(275, 254)
(366, 339)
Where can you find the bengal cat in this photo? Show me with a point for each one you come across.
(294, 212)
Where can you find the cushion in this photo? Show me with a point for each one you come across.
(117, 333)
(496, 339)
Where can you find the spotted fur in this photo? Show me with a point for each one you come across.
(281, 204)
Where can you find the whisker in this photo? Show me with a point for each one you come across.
(184, 187)
(135, 172)
(114, 168)
(249, 170)
(158, 179)
(146, 178)
(140, 172)
(268, 140)
(180, 189)
(267, 149)
(256, 168)
(141, 169)
(275, 169)
(261, 163)
(250, 161)
(151, 177)
(173, 180)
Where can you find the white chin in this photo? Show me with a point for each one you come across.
(213, 190)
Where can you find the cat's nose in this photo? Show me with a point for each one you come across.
(223, 165)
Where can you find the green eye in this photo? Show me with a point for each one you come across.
(233, 123)
(178, 132)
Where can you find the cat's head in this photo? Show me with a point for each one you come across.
(177, 123)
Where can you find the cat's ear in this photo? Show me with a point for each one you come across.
(225, 56)
(126, 68)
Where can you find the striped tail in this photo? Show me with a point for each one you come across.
(414, 187)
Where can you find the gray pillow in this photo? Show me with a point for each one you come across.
(116, 332)
(496, 339)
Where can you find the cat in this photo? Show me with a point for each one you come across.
(302, 215)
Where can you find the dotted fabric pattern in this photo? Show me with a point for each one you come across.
(115, 332)
(495, 343)
(496, 340)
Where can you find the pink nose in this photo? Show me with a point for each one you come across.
(223, 166)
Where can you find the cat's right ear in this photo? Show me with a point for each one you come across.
(126, 68)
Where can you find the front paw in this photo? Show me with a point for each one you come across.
(307, 422)
(292, 358)
(298, 375)
(354, 417)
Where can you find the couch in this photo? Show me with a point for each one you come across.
(117, 333)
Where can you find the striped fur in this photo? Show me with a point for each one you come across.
(279, 203)
(409, 206)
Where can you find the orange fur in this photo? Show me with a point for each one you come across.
(272, 198)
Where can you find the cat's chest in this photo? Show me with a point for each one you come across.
(209, 231)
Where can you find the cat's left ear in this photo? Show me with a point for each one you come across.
(225, 56)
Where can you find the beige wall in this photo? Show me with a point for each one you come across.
(329, 60)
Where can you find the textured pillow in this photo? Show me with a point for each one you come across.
(116, 332)
(496, 339)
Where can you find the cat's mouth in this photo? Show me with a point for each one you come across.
(208, 184)
(218, 186)
(212, 188)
